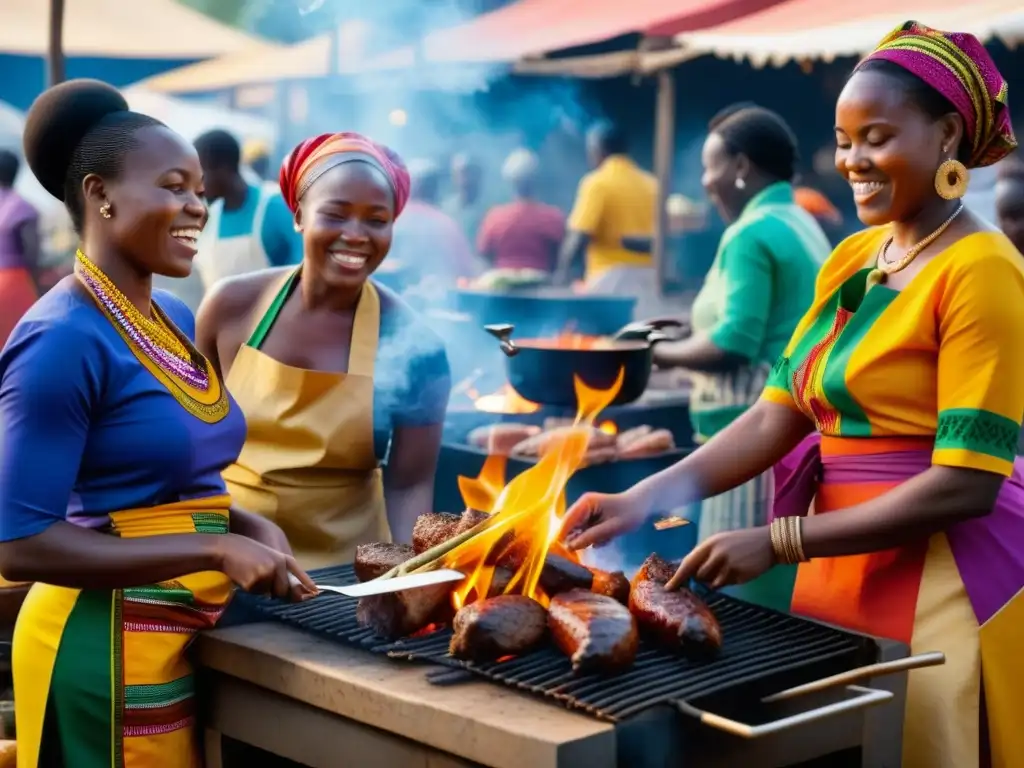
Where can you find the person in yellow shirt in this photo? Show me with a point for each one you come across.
(615, 202)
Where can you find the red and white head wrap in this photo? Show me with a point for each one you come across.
(313, 157)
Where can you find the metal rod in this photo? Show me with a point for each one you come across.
(866, 697)
(932, 659)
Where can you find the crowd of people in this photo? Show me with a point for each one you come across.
(857, 413)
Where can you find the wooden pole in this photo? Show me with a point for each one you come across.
(664, 159)
(55, 71)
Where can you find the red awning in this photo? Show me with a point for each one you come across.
(814, 29)
(535, 27)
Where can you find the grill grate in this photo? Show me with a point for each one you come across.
(762, 649)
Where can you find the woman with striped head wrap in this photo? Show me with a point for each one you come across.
(896, 409)
(343, 388)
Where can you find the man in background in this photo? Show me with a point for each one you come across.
(250, 226)
(428, 244)
(467, 204)
(526, 233)
(615, 207)
(256, 155)
(19, 248)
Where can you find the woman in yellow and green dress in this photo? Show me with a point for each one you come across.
(909, 364)
(758, 288)
(115, 431)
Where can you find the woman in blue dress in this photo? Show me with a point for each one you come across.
(115, 431)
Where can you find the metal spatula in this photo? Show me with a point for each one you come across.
(396, 584)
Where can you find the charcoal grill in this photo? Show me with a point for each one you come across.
(764, 652)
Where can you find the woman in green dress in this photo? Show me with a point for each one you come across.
(759, 286)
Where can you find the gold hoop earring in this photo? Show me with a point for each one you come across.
(105, 211)
(951, 180)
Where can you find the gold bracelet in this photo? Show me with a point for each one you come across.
(794, 538)
(790, 544)
(778, 529)
(798, 539)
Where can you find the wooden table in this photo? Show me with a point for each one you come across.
(326, 705)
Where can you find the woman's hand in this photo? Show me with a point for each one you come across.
(597, 518)
(259, 528)
(728, 558)
(258, 568)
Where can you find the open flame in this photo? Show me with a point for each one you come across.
(505, 400)
(527, 510)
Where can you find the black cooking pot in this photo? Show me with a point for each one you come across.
(542, 372)
(546, 311)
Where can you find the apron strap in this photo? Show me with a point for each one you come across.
(269, 306)
(365, 332)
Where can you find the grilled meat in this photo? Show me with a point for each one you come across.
(433, 528)
(597, 633)
(655, 568)
(507, 625)
(652, 444)
(677, 621)
(500, 439)
(470, 519)
(560, 574)
(614, 585)
(374, 560)
(399, 614)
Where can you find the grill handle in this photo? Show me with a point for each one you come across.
(931, 659)
(866, 697)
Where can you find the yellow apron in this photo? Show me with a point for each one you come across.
(308, 462)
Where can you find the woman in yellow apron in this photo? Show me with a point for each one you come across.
(115, 431)
(343, 388)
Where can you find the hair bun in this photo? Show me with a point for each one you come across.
(58, 121)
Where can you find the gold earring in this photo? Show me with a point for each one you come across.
(951, 180)
(105, 211)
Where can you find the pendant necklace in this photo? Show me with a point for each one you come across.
(884, 268)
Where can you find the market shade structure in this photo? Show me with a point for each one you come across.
(817, 30)
(537, 27)
(523, 29)
(125, 29)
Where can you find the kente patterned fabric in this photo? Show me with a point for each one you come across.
(896, 382)
(104, 672)
(314, 157)
(957, 65)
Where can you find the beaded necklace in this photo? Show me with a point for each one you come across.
(159, 346)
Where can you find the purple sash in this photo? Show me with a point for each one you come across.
(989, 551)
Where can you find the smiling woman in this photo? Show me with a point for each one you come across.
(910, 369)
(115, 430)
(344, 389)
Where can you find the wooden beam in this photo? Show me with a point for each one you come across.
(664, 159)
(55, 71)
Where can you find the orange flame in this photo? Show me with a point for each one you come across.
(529, 507)
(609, 427)
(505, 400)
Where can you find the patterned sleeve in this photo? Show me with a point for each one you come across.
(849, 256)
(981, 365)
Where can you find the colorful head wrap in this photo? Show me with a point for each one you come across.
(312, 158)
(957, 65)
